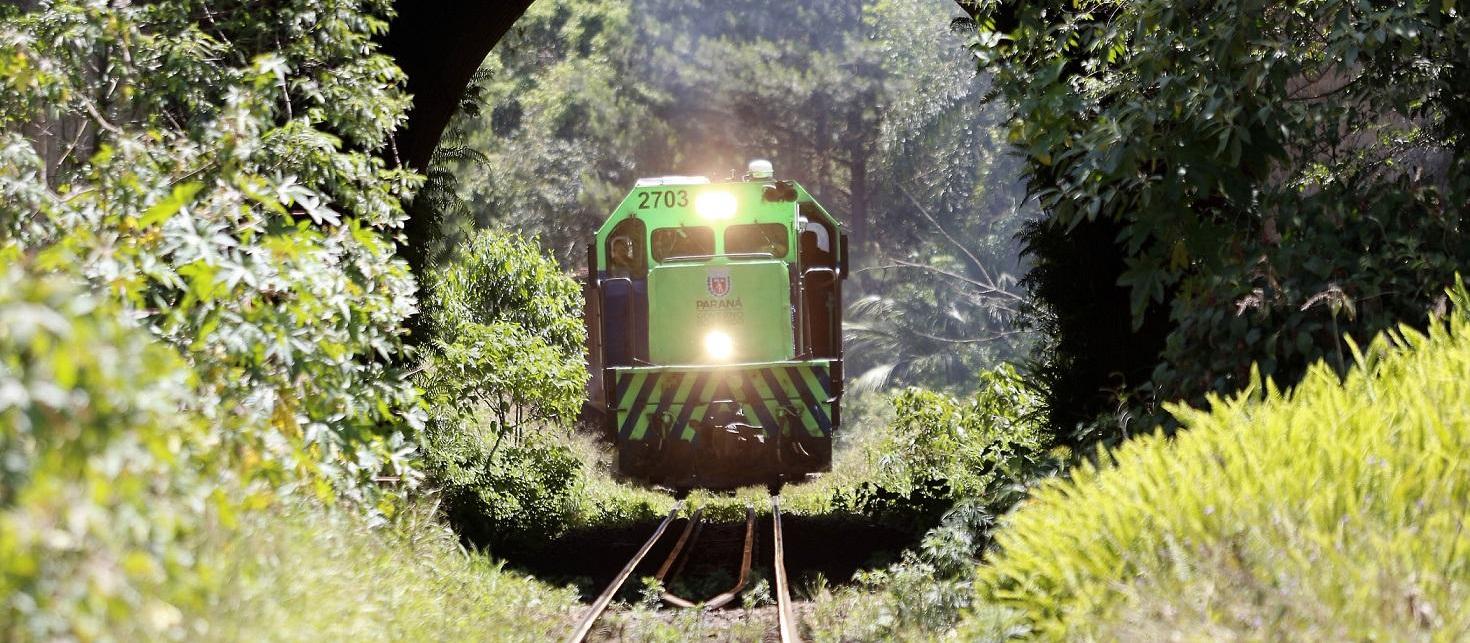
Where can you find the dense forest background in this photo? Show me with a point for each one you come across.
(875, 107)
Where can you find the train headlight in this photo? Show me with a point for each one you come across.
(715, 205)
(718, 345)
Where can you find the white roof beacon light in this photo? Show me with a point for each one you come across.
(761, 170)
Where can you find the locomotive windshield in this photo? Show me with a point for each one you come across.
(683, 241)
(756, 238)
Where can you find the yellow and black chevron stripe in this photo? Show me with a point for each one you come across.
(771, 394)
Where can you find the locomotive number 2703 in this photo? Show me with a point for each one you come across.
(663, 199)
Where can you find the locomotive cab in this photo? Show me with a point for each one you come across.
(714, 318)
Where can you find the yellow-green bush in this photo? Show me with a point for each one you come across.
(1335, 511)
(101, 475)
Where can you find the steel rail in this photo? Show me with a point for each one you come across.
(724, 598)
(684, 562)
(789, 633)
(663, 571)
(593, 613)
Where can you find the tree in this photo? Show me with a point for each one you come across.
(941, 300)
(559, 125)
(225, 186)
(1257, 178)
(508, 334)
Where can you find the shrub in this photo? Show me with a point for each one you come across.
(501, 277)
(497, 496)
(1334, 511)
(513, 375)
(936, 437)
(949, 468)
(506, 364)
(508, 334)
(201, 332)
(120, 519)
(938, 449)
(923, 596)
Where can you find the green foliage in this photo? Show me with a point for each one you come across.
(223, 185)
(202, 307)
(507, 357)
(917, 510)
(508, 336)
(120, 516)
(515, 495)
(603, 500)
(561, 125)
(949, 468)
(504, 368)
(968, 445)
(116, 521)
(100, 471)
(940, 297)
(1334, 511)
(921, 598)
(502, 278)
(1256, 178)
(303, 572)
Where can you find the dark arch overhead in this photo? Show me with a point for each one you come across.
(439, 44)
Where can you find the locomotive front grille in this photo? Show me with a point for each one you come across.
(785, 396)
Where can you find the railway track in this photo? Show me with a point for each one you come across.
(679, 557)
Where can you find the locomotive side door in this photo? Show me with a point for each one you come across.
(821, 317)
(624, 289)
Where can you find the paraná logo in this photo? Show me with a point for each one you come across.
(718, 282)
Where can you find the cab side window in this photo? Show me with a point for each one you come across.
(625, 251)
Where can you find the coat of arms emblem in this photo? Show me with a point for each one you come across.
(719, 282)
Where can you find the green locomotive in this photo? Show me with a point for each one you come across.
(714, 315)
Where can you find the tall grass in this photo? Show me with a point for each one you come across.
(1334, 511)
(307, 573)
